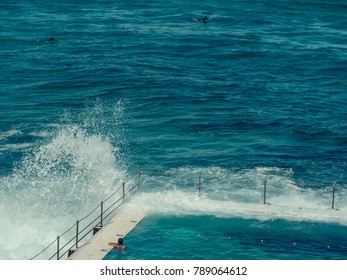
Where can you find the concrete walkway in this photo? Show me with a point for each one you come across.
(97, 247)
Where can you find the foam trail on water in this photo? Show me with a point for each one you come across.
(55, 184)
(7, 134)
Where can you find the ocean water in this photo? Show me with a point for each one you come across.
(259, 91)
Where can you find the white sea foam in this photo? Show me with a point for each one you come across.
(227, 193)
(177, 202)
(15, 147)
(54, 185)
(7, 146)
(40, 134)
(6, 134)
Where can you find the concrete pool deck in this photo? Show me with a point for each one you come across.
(97, 247)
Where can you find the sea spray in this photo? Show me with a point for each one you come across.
(53, 185)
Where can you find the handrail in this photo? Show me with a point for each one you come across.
(88, 215)
(91, 225)
(43, 250)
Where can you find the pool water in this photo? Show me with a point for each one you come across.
(162, 237)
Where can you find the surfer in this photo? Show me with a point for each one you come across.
(52, 39)
(119, 246)
(203, 20)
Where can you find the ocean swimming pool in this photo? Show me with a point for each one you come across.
(162, 237)
(257, 92)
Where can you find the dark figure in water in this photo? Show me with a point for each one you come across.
(52, 39)
(203, 20)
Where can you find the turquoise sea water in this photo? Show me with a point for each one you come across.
(259, 91)
(212, 238)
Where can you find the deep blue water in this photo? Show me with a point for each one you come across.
(257, 91)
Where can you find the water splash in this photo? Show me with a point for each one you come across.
(53, 185)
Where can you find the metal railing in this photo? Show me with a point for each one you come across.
(73, 237)
(332, 187)
(197, 180)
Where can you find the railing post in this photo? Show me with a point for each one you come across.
(123, 186)
(58, 247)
(138, 188)
(199, 184)
(265, 191)
(102, 213)
(77, 232)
